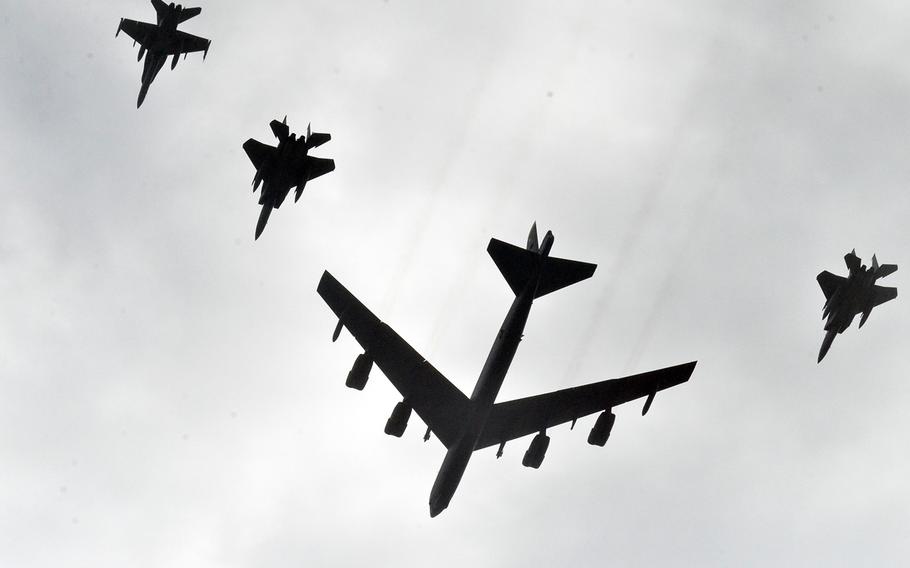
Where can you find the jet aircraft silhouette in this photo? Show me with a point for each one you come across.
(158, 41)
(464, 424)
(279, 169)
(855, 294)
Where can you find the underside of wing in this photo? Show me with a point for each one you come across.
(257, 151)
(438, 402)
(829, 283)
(187, 43)
(315, 167)
(883, 294)
(141, 32)
(517, 418)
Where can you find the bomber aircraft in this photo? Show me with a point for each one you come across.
(279, 169)
(158, 41)
(464, 424)
(855, 294)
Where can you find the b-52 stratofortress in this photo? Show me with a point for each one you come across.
(282, 168)
(158, 41)
(464, 424)
(855, 294)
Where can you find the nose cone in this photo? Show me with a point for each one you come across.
(826, 344)
(435, 508)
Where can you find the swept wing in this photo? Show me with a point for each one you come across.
(829, 283)
(437, 401)
(517, 418)
(257, 151)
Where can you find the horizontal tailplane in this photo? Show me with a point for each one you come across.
(519, 266)
(188, 13)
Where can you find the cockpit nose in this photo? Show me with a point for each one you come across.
(435, 508)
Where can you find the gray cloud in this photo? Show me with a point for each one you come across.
(170, 394)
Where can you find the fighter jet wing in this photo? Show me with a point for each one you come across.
(139, 31)
(257, 151)
(517, 418)
(883, 294)
(314, 167)
(187, 43)
(438, 402)
(829, 282)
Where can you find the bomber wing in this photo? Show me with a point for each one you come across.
(438, 402)
(139, 31)
(829, 283)
(257, 151)
(517, 418)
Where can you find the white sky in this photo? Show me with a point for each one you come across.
(169, 395)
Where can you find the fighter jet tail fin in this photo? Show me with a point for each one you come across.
(883, 270)
(280, 129)
(519, 266)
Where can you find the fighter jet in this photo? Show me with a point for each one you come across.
(464, 424)
(279, 169)
(855, 294)
(158, 41)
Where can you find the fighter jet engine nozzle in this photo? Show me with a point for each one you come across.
(360, 372)
(398, 421)
(536, 451)
(600, 433)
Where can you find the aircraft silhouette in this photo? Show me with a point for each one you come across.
(465, 424)
(160, 40)
(282, 168)
(855, 294)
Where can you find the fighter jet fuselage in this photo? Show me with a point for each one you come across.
(162, 39)
(854, 294)
(285, 166)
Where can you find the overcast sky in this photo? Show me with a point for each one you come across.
(170, 396)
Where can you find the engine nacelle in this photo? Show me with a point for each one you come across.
(536, 451)
(174, 60)
(600, 433)
(141, 52)
(398, 421)
(360, 372)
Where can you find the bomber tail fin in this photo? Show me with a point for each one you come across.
(519, 266)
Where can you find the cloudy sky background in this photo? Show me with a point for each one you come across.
(170, 395)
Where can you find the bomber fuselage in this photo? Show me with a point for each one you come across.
(485, 391)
